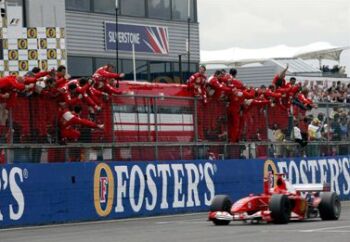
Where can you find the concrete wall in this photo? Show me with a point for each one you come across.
(45, 13)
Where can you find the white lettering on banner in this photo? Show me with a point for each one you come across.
(136, 172)
(303, 169)
(346, 167)
(282, 167)
(112, 36)
(293, 170)
(124, 37)
(10, 182)
(178, 202)
(314, 167)
(151, 187)
(323, 170)
(163, 170)
(121, 186)
(161, 186)
(192, 185)
(334, 171)
(209, 182)
(129, 38)
(16, 193)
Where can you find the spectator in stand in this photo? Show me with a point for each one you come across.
(314, 133)
(279, 136)
(344, 128)
(298, 138)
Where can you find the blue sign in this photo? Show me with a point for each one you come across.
(150, 39)
(33, 194)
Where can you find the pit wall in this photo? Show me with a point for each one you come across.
(33, 194)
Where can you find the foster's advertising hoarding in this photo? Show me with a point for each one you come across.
(54, 193)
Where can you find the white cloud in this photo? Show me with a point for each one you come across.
(264, 23)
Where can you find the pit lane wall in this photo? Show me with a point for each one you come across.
(32, 194)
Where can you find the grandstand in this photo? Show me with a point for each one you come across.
(257, 66)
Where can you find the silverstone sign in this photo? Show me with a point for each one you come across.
(145, 38)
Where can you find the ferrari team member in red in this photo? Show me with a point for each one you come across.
(69, 96)
(279, 80)
(293, 87)
(230, 79)
(237, 99)
(106, 80)
(89, 93)
(61, 76)
(68, 120)
(197, 82)
(302, 101)
(9, 86)
(215, 88)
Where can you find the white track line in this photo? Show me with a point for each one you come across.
(325, 228)
(70, 224)
(101, 222)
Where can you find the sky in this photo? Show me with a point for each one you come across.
(265, 23)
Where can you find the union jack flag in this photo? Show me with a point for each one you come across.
(158, 39)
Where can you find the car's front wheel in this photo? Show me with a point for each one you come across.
(221, 203)
(280, 208)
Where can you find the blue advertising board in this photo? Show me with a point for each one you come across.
(145, 38)
(33, 194)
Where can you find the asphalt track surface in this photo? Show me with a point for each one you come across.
(188, 227)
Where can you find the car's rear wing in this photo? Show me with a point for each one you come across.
(313, 187)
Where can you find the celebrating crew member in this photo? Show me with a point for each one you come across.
(69, 119)
(216, 89)
(237, 99)
(106, 80)
(279, 80)
(196, 83)
(9, 86)
(69, 96)
(86, 89)
(229, 79)
(61, 76)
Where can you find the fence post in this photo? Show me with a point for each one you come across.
(195, 120)
(10, 152)
(113, 148)
(112, 119)
(328, 129)
(148, 105)
(156, 127)
(266, 113)
(181, 152)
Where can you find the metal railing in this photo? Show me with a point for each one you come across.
(170, 128)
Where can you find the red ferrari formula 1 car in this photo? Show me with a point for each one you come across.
(279, 205)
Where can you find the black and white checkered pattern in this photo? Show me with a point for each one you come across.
(43, 46)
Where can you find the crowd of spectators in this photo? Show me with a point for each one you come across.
(321, 125)
(336, 69)
(329, 92)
